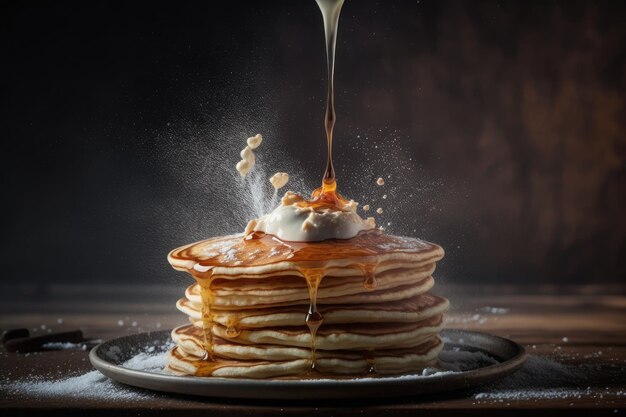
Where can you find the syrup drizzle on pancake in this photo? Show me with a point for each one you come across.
(314, 318)
(260, 249)
(207, 317)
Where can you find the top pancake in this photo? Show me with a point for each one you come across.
(237, 256)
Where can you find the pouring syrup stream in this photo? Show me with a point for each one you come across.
(327, 194)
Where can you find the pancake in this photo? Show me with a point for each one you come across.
(392, 361)
(236, 257)
(265, 308)
(189, 342)
(274, 297)
(411, 309)
(290, 290)
(330, 337)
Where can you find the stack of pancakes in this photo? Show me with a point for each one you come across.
(248, 309)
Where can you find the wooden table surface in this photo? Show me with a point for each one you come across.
(584, 327)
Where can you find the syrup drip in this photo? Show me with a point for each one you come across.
(369, 277)
(207, 317)
(314, 318)
(233, 330)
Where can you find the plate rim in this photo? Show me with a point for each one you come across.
(458, 380)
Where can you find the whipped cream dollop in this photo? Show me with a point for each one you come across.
(294, 220)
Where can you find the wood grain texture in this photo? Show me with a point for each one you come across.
(574, 325)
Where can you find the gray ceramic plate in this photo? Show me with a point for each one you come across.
(509, 357)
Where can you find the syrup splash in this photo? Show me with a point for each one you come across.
(326, 196)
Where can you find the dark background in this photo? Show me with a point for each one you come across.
(499, 127)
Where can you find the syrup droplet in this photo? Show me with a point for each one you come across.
(314, 318)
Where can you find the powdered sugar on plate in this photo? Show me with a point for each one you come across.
(94, 385)
(90, 385)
